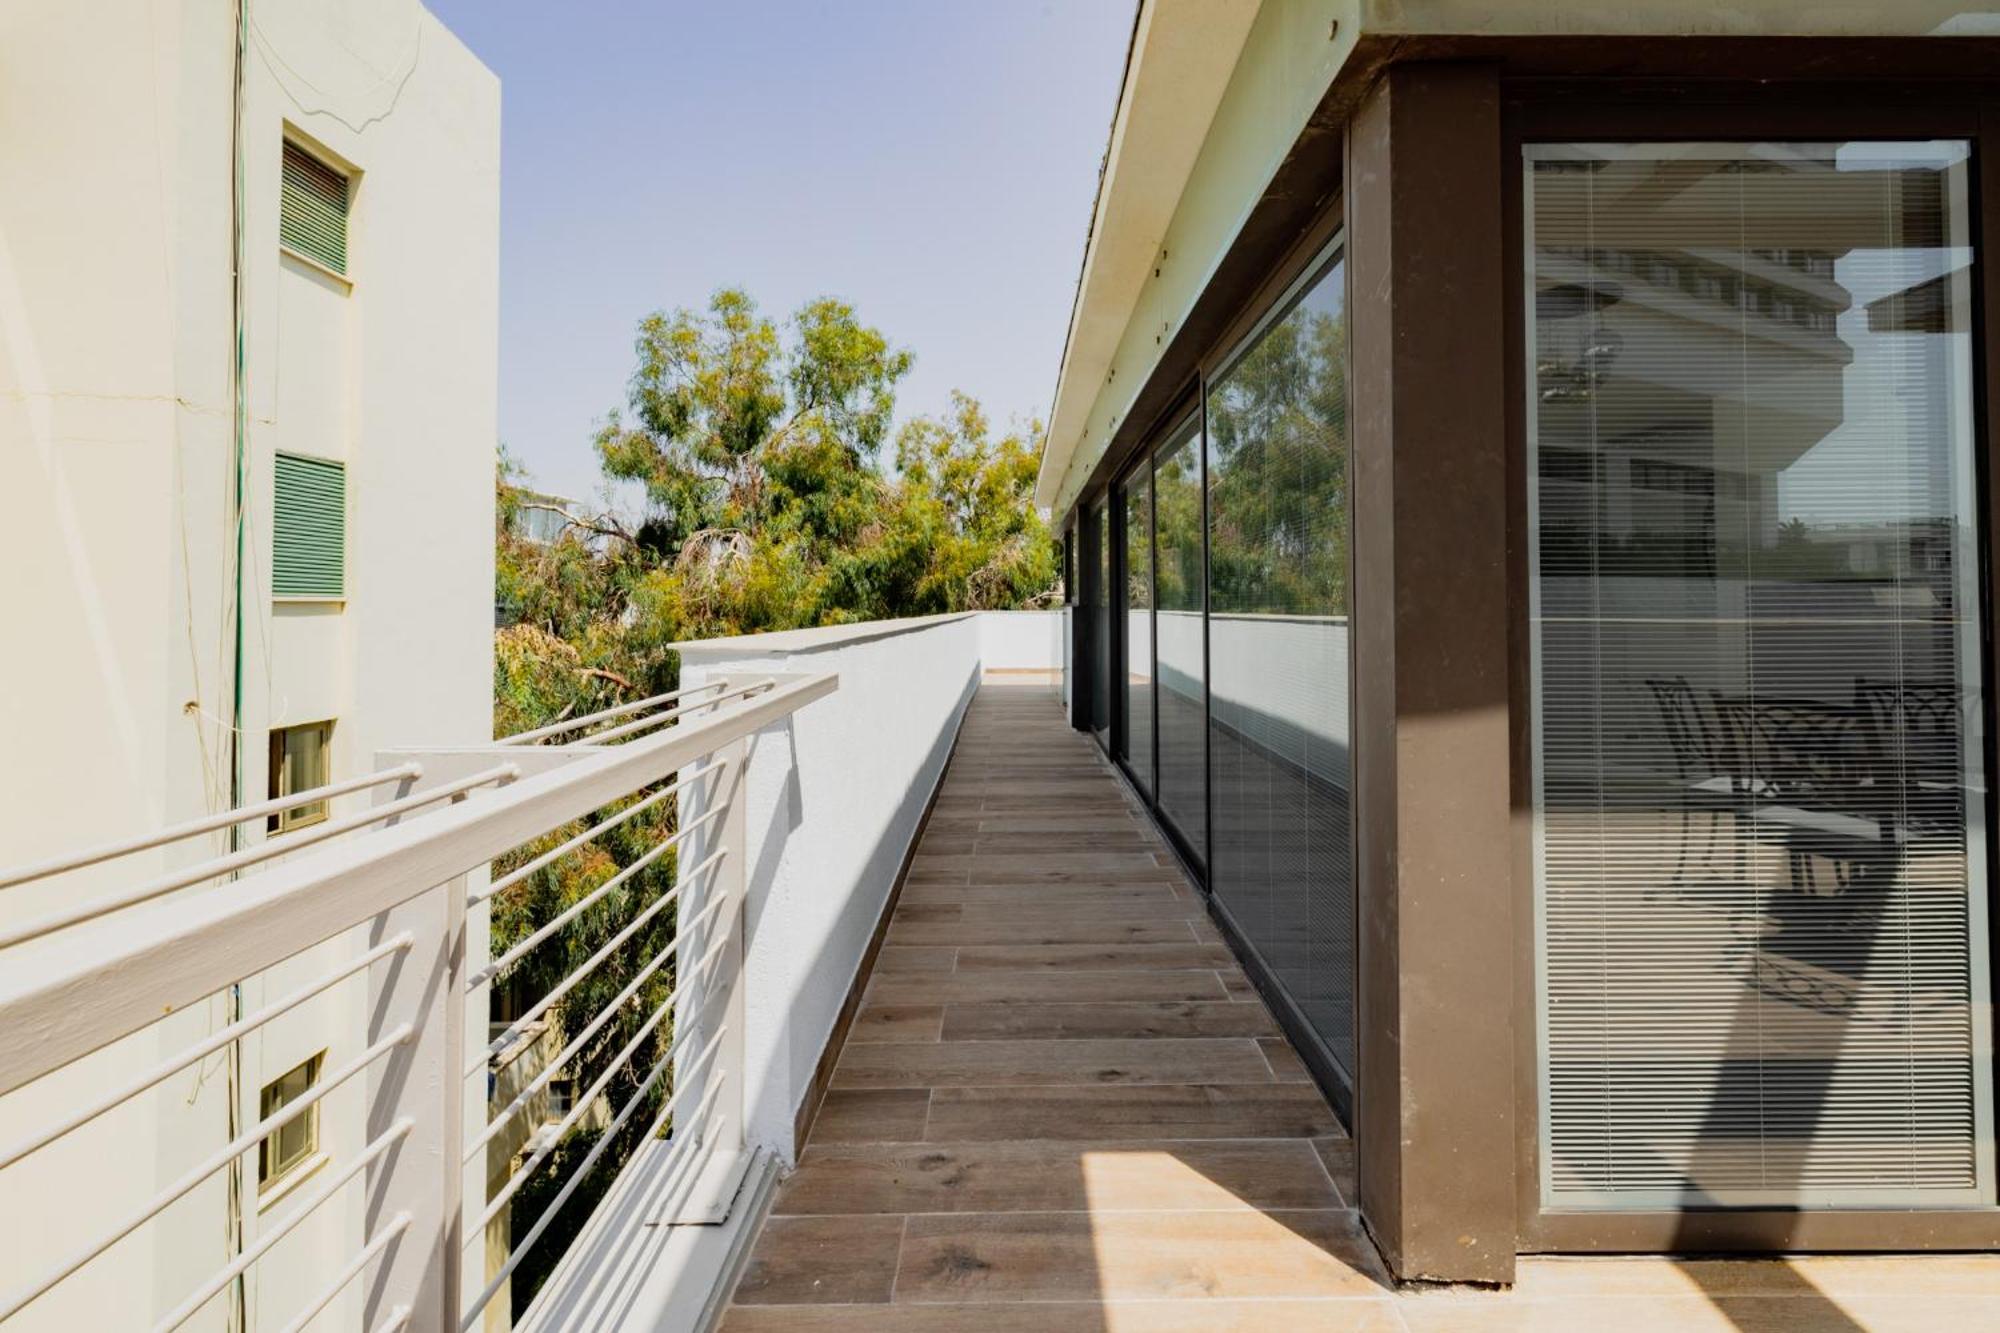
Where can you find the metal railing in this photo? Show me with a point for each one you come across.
(406, 881)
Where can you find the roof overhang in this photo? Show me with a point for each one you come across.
(1183, 53)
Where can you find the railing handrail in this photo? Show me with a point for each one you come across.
(242, 814)
(61, 1009)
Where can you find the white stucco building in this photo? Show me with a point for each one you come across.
(346, 154)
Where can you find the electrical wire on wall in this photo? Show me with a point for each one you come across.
(238, 506)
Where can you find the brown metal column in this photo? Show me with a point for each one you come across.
(1435, 1094)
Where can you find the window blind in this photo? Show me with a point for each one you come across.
(312, 209)
(1760, 781)
(309, 528)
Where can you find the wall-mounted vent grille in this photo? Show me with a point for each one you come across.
(312, 209)
(309, 528)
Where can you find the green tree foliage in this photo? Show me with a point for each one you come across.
(768, 505)
(1277, 428)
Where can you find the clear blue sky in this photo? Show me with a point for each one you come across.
(931, 161)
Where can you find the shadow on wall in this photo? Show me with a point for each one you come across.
(807, 1020)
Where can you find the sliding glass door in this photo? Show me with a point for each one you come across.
(1135, 588)
(1181, 679)
(1097, 541)
(1282, 859)
(1759, 704)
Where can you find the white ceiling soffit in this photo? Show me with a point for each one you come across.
(1183, 52)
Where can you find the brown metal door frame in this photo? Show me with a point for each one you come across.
(1664, 110)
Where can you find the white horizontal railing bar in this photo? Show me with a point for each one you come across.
(242, 814)
(267, 850)
(222, 1157)
(201, 1296)
(60, 1010)
(500, 1118)
(397, 1226)
(513, 877)
(661, 719)
(641, 917)
(477, 1306)
(581, 905)
(605, 714)
(214, 1042)
(580, 1109)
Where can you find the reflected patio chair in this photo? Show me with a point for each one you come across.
(1843, 838)
(1912, 733)
(1707, 786)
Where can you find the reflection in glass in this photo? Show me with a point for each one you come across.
(1283, 859)
(1137, 595)
(1758, 705)
(1100, 623)
(1178, 589)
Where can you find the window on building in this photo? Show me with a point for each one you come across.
(1181, 672)
(1136, 606)
(295, 1143)
(301, 759)
(1282, 859)
(312, 210)
(1761, 783)
(309, 529)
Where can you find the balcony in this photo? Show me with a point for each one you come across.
(942, 1038)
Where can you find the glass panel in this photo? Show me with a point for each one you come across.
(1178, 589)
(301, 759)
(292, 1143)
(1283, 859)
(1100, 628)
(1137, 597)
(1760, 779)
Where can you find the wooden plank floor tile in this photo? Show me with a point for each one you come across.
(821, 1260)
(1214, 1018)
(1057, 987)
(1149, 1256)
(1111, 1176)
(1099, 1062)
(1041, 928)
(1092, 958)
(1345, 1315)
(1159, 1111)
(905, 1022)
(872, 1115)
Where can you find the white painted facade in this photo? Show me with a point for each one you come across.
(118, 453)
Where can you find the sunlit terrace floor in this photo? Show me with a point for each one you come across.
(1062, 1107)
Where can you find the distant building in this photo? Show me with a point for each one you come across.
(542, 518)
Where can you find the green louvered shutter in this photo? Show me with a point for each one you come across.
(309, 528)
(312, 209)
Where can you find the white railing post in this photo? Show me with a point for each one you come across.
(419, 1277)
(724, 1132)
(708, 1072)
(421, 1081)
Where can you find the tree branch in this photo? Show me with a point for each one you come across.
(605, 526)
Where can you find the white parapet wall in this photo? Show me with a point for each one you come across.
(1020, 640)
(835, 796)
